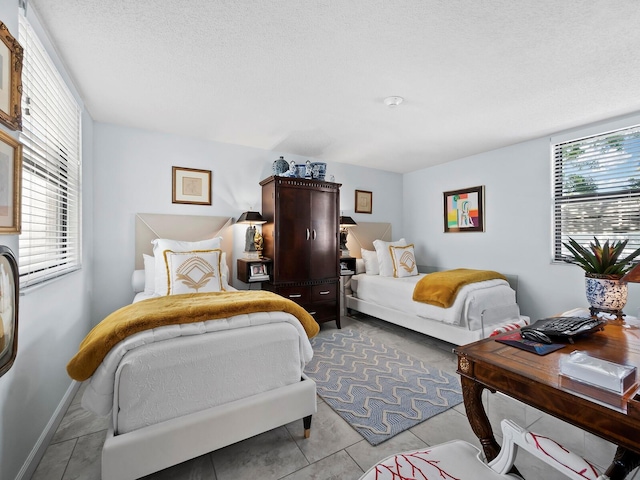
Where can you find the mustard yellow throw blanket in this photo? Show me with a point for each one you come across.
(176, 309)
(440, 288)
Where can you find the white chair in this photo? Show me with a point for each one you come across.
(461, 460)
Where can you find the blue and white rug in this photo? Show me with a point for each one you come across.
(378, 390)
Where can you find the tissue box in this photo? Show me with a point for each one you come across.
(598, 372)
(599, 379)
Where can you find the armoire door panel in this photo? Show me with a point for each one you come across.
(293, 235)
(324, 227)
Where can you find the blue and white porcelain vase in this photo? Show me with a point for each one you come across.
(605, 292)
(280, 166)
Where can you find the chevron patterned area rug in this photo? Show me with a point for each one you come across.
(378, 390)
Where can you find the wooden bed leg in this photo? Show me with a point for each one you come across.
(307, 426)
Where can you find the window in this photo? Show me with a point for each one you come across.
(597, 189)
(50, 243)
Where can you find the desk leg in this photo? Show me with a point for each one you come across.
(623, 463)
(472, 395)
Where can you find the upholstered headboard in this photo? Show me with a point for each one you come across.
(363, 234)
(190, 228)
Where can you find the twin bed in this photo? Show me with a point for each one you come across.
(479, 309)
(179, 390)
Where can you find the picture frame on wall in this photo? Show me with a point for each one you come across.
(9, 296)
(363, 201)
(464, 210)
(10, 184)
(11, 55)
(191, 186)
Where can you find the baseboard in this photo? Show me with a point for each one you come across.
(37, 452)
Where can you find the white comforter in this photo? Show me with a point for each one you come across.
(466, 311)
(99, 395)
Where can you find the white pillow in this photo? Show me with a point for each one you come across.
(370, 259)
(149, 274)
(360, 268)
(194, 272)
(161, 244)
(385, 264)
(224, 271)
(404, 261)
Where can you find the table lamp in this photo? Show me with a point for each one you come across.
(632, 276)
(345, 224)
(253, 219)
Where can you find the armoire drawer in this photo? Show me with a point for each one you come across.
(324, 292)
(300, 295)
(322, 312)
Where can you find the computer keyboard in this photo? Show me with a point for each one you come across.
(566, 327)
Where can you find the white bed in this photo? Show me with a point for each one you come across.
(478, 310)
(179, 391)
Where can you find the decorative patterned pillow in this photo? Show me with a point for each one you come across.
(404, 261)
(162, 244)
(385, 264)
(194, 272)
(370, 259)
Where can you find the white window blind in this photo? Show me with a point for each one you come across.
(597, 189)
(50, 242)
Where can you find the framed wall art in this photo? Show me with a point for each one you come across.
(11, 55)
(8, 309)
(464, 210)
(191, 186)
(10, 181)
(364, 201)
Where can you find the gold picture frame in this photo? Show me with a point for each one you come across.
(11, 54)
(363, 201)
(9, 296)
(191, 186)
(10, 186)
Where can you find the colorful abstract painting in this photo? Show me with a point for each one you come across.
(464, 210)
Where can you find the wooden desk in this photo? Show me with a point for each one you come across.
(534, 380)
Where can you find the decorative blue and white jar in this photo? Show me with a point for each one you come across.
(318, 170)
(280, 166)
(605, 292)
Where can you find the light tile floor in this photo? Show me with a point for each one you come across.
(334, 450)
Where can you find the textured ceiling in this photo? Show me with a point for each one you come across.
(309, 77)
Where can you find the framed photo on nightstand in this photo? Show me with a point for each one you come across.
(258, 269)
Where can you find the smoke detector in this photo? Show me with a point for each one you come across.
(393, 101)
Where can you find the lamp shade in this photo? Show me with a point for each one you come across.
(251, 217)
(633, 275)
(347, 221)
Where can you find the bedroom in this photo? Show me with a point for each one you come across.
(118, 160)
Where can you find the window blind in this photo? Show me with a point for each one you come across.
(597, 189)
(50, 243)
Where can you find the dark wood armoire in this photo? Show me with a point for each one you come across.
(301, 236)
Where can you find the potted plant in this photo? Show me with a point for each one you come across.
(604, 268)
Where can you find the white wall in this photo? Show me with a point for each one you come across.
(52, 321)
(133, 175)
(517, 237)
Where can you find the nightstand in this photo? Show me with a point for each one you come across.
(347, 268)
(253, 270)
